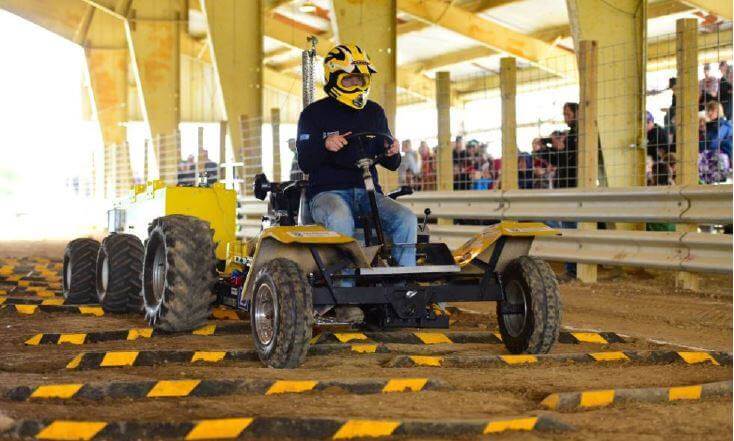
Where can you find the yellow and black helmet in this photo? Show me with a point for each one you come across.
(341, 62)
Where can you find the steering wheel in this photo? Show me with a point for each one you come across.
(361, 137)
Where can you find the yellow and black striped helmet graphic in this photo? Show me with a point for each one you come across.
(344, 60)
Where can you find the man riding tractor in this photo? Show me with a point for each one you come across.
(336, 188)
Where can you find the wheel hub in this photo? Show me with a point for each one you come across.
(515, 295)
(105, 276)
(265, 314)
(67, 275)
(159, 272)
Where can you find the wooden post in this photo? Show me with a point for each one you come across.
(686, 124)
(275, 124)
(444, 166)
(588, 153)
(508, 91)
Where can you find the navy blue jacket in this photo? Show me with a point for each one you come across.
(337, 170)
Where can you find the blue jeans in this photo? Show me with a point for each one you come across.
(569, 266)
(336, 210)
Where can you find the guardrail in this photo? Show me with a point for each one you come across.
(664, 250)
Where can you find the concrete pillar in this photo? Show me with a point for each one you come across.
(275, 125)
(236, 34)
(444, 161)
(371, 24)
(107, 70)
(508, 91)
(686, 124)
(588, 154)
(153, 36)
(621, 41)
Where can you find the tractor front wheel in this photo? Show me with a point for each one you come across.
(179, 271)
(119, 269)
(530, 316)
(281, 314)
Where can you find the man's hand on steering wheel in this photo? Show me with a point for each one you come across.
(393, 149)
(334, 143)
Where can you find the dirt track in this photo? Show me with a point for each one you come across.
(622, 303)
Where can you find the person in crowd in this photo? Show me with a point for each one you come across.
(473, 161)
(543, 171)
(662, 174)
(428, 167)
(715, 157)
(524, 170)
(187, 171)
(708, 88)
(295, 174)
(461, 179)
(725, 83)
(482, 179)
(657, 139)
(211, 169)
(410, 166)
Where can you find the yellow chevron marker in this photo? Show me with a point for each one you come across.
(26, 309)
(45, 293)
(136, 333)
(3, 291)
(56, 391)
(589, 337)
(205, 330)
(697, 357)
(208, 356)
(71, 430)
(75, 339)
(366, 429)
(35, 340)
(285, 386)
(519, 359)
(13, 278)
(75, 362)
(219, 428)
(91, 310)
(426, 360)
(597, 398)
(2, 300)
(24, 283)
(119, 358)
(551, 401)
(35, 288)
(173, 388)
(684, 393)
(609, 356)
(405, 384)
(516, 424)
(432, 338)
(225, 314)
(364, 348)
(53, 302)
(346, 337)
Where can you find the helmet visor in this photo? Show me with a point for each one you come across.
(354, 81)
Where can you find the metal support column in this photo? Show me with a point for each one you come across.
(508, 91)
(275, 126)
(686, 124)
(588, 155)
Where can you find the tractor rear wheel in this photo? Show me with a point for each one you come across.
(179, 271)
(119, 270)
(281, 314)
(530, 316)
(80, 257)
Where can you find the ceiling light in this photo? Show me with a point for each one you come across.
(307, 7)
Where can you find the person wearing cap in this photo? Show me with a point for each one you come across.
(658, 145)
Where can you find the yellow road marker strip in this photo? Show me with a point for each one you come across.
(219, 428)
(609, 356)
(589, 337)
(205, 330)
(208, 356)
(71, 430)
(685, 393)
(366, 429)
(26, 309)
(697, 357)
(63, 391)
(364, 348)
(35, 340)
(426, 360)
(432, 338)
(597, 398)
(76, 339)
(405, 384)
(137, 333)
(346, 337)
(92, 310)
(285, 386)
(519, 359)
(515, 424)
(119, 358)
(57, 301)
(75, 362)
(173, 388)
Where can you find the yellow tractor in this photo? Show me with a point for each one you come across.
(292, 276)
